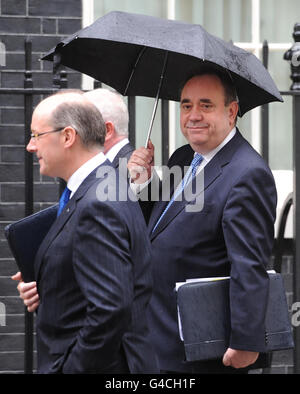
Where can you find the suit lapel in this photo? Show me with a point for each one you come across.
(53, 232)
(212, 171)
(66, 214)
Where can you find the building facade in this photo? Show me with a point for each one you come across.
(246, 22)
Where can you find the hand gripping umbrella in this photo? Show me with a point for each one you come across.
(140, 55)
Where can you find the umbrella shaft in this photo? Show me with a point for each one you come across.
(152, 121)
(157, 97)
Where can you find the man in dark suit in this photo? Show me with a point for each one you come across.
(116, 147)
(231, 234)
(93, 268)
(115, 115)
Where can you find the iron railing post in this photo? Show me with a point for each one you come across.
(293, 55)
(265, 112)
(28, 84)
(59, 81)
(296, 203)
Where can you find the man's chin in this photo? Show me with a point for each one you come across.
(43, 171)
(197, 141)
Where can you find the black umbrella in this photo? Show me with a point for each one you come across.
(140, 55)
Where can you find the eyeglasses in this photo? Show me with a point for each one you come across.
(37, 135)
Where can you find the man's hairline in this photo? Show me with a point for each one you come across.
(207, 74)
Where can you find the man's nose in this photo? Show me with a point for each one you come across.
(196, 114)
(31, 147)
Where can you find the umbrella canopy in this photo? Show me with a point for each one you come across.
(128, 52)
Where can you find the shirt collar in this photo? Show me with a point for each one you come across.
(112, 153)
(208, 156)
(82, 172)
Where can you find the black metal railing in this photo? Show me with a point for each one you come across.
(280, 249)
(292, 55)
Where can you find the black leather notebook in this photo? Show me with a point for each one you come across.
(25, 237)
(204, 314)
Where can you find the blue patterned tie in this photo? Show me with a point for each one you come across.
(197, 160)
(63, 200)
(190, 174)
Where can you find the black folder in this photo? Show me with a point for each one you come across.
(25, 236)
(204, 314)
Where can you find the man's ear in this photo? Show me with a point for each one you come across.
(233, 112)
(69, 135)
(110, 131)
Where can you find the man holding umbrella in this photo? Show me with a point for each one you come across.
(231, 236)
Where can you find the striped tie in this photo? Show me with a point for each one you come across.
(191, 173)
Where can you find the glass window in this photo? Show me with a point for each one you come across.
(154, 7)
(281, 135)
(280, 116)
(228, 19)
(276, 26)
(277, 19)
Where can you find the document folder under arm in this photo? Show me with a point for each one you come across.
(204, 314)
(25, 237)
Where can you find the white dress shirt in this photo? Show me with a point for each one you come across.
(82, 172)
(112, 153)
(208, 156)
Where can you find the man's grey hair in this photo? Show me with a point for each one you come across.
(78, 112)
(112, 107)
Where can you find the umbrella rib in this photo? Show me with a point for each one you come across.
(133, 70)
(237, 97)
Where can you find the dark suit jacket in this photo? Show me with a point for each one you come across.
(231, 235)
(94, 281)
(125, 152)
